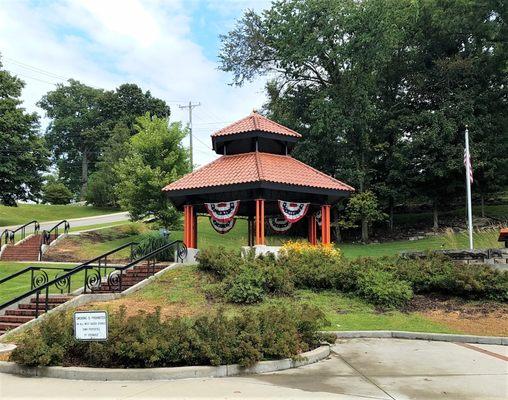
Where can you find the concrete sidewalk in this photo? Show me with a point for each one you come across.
(358, 369)
(77, 222)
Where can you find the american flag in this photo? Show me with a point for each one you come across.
(467, 164)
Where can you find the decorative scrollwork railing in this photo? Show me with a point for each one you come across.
(40, 285)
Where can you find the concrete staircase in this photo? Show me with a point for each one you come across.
(26, 312)
(131, 277)
(24, 250)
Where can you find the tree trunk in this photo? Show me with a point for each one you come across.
(84, 175)
(390, 221)
(365, 231)
(436, 220)
(482, 200)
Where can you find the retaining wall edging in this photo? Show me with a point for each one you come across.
(441, 337)
(141, 374)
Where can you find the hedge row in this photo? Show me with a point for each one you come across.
(387, 282)
(145, 340)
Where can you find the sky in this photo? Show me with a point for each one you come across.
(168, 47)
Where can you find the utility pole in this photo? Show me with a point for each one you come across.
(190, 106)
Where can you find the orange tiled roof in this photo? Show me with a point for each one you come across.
(256, 167)
(256, 122)
(503, 234)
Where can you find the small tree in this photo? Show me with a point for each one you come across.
(362, 208)
(55, 192)
(156, 158)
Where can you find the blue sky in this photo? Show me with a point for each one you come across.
(169, 47)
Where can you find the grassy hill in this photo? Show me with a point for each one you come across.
(45, 212)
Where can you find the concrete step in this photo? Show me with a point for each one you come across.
(27, 313)
(51, 299)
(5, 326)
(15, 319)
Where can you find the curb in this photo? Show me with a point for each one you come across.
(143, 374)
(440, 337)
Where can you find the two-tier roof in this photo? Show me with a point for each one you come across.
(255, 163)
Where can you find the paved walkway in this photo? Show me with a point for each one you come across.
(358, 369)
(77, 222)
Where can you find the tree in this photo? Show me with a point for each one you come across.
(75, 133)
(82, 120)
(23, 155)
(381, 89)
(362, 208)
(55, 192)
(156, 158)
(100, 191)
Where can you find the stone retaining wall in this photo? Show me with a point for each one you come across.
(484, 256)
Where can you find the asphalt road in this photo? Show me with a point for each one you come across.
(77, 222)
(388, 369)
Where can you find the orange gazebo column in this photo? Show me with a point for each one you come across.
(189, 227)
(260, 222)
(325, 224)
(312, 230)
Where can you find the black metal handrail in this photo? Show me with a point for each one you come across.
(46, 234)
(64, 280)
(8, 236)
(114, 279)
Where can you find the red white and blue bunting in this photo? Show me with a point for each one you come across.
(222, 227)
(293, 212)
(279, 224)
(223, 211)
(318, 218)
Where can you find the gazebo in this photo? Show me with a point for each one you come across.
(255, 177)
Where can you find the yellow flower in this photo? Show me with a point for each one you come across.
(303, 247)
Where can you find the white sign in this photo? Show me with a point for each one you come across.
(91, 325)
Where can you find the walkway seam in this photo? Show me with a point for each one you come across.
(480, 350)
(365, 376)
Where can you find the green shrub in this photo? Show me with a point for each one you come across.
(382, 288)
(439, 274)
(151, 241)
(218, 261)
(54, 192)
(144, 340)
(246, 286)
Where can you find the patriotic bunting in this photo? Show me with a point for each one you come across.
(222, 227)
(279, 224)
(224, 211)
(293, 212)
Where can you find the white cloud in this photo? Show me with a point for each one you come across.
(106, 43)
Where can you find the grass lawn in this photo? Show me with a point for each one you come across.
(21, 284)
(85, 248)
(45, 212)
(238, 237)
(179, 293)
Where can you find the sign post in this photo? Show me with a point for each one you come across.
(91, 325)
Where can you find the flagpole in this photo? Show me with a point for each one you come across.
(468, 188)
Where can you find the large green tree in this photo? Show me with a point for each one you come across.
(83, 119)
(23, 155)
(155, 158)
(382, 89)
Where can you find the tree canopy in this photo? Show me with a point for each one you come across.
(382, 89)
(155, 158)
(23, 155)
(82, 119)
